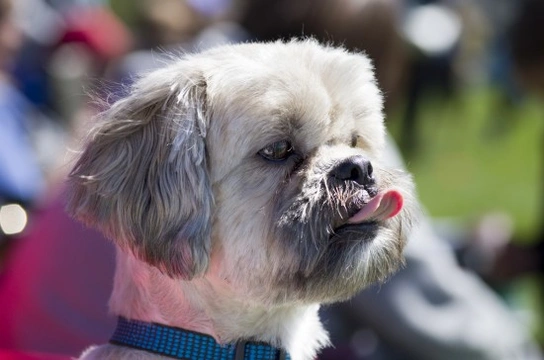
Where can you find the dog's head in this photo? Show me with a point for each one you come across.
(256, 165)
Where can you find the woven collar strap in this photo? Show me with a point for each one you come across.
(187, 345)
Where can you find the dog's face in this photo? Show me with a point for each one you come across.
(256, 166)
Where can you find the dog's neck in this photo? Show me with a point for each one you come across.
(142, 292)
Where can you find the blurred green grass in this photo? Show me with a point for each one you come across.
(476, 154)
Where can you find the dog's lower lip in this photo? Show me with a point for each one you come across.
(365, 226)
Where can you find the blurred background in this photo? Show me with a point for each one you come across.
(463, 82)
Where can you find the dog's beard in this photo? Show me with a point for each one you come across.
(314, 255)
(336, 259)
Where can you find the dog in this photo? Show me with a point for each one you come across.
(243, 188)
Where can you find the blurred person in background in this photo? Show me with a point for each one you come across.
(55, 286)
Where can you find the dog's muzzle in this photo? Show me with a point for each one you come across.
(357, 172)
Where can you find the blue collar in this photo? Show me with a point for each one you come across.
(188, 345)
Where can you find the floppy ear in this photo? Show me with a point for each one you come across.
(142, 178)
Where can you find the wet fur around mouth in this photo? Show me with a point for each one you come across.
(323, 237)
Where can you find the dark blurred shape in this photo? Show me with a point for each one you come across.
(166, 23)
(527, 45)
(432, 31)
(367, 25)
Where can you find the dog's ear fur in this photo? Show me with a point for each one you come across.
(142, 178)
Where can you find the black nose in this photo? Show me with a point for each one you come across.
(356, 169)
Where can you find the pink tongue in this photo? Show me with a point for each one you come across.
(382, 206)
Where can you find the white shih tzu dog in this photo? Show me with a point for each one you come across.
(243, 188)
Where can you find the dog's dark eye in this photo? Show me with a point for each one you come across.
(278, 151)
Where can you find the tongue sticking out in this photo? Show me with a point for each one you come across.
(382, 206)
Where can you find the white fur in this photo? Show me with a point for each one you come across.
(199, 245)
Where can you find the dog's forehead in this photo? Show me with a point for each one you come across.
(311, 95)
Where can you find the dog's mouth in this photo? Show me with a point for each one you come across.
(382, 206)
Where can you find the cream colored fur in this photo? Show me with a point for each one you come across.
(213, 237)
